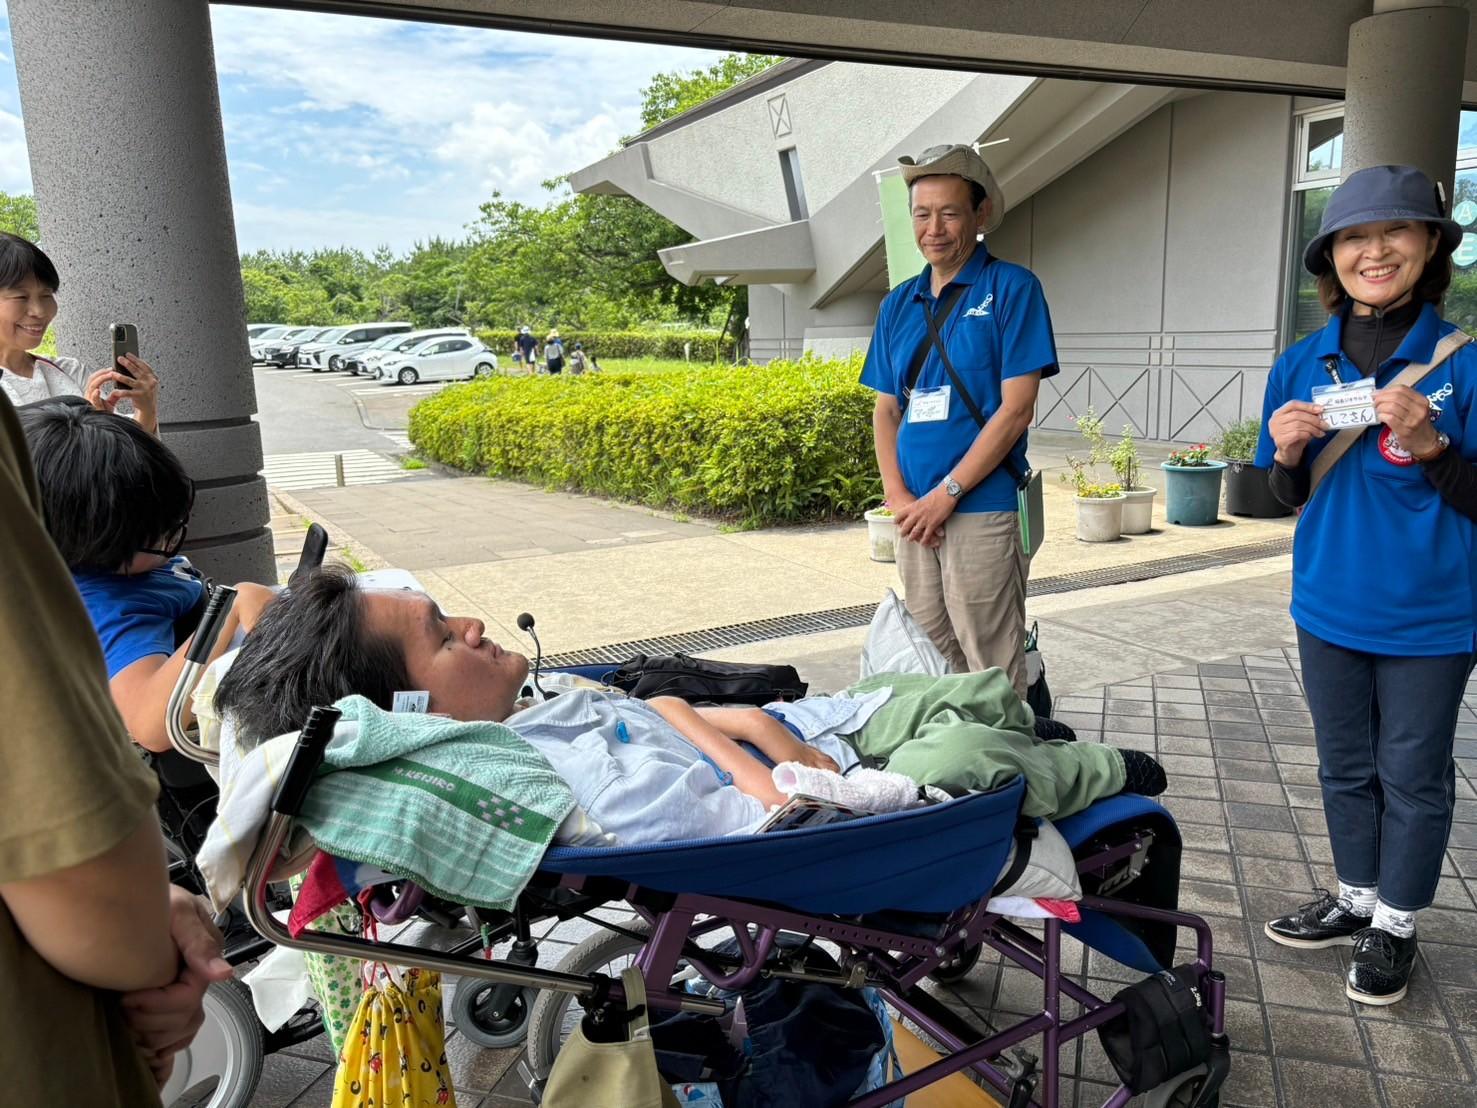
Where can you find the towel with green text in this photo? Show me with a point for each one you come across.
(465, 810)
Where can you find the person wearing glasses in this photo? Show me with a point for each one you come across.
(117, 505)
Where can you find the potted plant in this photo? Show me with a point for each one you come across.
(1123, 457)
(1099, 505)
(1247, 490)
(881, 533)
(1192, 493)
(1138, 506)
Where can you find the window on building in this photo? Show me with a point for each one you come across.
(1320, 156)
(794, 186)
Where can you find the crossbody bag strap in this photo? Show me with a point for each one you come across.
(1411, 375)
(915, 367)
(937, 340)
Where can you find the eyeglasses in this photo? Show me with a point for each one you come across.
(176, 538)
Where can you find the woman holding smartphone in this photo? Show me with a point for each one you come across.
(28, 285)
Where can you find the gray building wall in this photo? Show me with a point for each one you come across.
(840, 118)
(1163, 259)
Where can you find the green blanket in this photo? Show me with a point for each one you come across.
(971, 731)
(465, 810)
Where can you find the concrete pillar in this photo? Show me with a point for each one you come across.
(1404, 88)
(122, 119)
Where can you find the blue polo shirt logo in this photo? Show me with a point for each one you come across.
(1016, 341)
(983, 307)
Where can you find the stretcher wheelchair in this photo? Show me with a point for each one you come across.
(898, 899)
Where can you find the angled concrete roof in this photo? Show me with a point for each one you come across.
(777, 255)
(1257, 45)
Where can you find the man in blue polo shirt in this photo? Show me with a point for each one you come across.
(947, 478)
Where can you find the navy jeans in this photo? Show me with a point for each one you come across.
(1385, 727)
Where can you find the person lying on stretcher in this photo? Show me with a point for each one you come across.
(659, 769)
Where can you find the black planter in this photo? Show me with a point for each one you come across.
(1247, 493)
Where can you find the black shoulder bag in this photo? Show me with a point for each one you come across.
(1028, 496)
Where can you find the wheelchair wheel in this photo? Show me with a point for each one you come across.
(1180, 1092)
(957, 968)
(222, 1067)
(556, 1015)
(471, 1014)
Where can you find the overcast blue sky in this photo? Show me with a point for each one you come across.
(342, 130)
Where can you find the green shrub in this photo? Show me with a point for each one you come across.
(626, 344)
(1237, 443)
(784, 442)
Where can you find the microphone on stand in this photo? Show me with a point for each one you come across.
(525, 623)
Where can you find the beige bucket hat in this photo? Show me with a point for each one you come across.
(958, 160)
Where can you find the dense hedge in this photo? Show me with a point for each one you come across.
(627, 344)
(778, 443)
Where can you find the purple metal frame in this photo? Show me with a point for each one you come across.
(894, 962)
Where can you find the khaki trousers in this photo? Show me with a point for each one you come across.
(969, 593)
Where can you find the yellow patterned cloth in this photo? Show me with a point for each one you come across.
(395, 1055)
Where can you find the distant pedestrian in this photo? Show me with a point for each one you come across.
(577, 359)
(554, 353)
(527, 345)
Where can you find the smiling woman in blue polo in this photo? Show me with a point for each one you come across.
(1368, 427)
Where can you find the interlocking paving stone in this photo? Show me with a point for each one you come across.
(1312, 1085)
(1421, 1051)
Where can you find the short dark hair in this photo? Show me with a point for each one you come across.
(21, 258)
(1430, 286)
(310, 647)
(108, 488)
(977, 193)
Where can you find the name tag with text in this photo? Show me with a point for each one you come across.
(929, 405)
(1350, 404)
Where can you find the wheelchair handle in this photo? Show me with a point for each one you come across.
(307, 755)
(217, 608)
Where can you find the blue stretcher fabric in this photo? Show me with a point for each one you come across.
(1147, 947)
(933, 859)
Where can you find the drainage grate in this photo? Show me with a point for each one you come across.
(859, 615)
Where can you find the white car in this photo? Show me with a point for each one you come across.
(308, 352)
(256, 342)
(275, 351)
(439, 360)
(368, 361)
(254, 330)
(354, 339)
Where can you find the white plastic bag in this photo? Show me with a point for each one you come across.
(896, 644)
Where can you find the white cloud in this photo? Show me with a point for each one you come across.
(15, 161)
(344, 129)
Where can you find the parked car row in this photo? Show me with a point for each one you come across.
(392, 352)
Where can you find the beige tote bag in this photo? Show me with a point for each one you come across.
(611, 1075)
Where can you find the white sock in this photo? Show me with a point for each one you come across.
(1361, 900)
(1393, 920)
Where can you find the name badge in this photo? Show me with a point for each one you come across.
(929, 405)
(1350, 404)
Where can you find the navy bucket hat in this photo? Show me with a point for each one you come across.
(1373, 195)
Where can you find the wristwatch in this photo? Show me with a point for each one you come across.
(1443, 440)
(952, 487)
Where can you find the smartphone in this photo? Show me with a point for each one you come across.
(125, 341)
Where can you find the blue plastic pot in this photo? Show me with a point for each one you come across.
(1192, 494)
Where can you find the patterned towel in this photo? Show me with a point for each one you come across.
(465, 810)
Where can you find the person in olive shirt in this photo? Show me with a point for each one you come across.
(86, 911)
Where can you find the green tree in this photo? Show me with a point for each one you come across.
(671, 94)
(18, 215)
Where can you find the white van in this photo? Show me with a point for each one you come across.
(330, 355)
